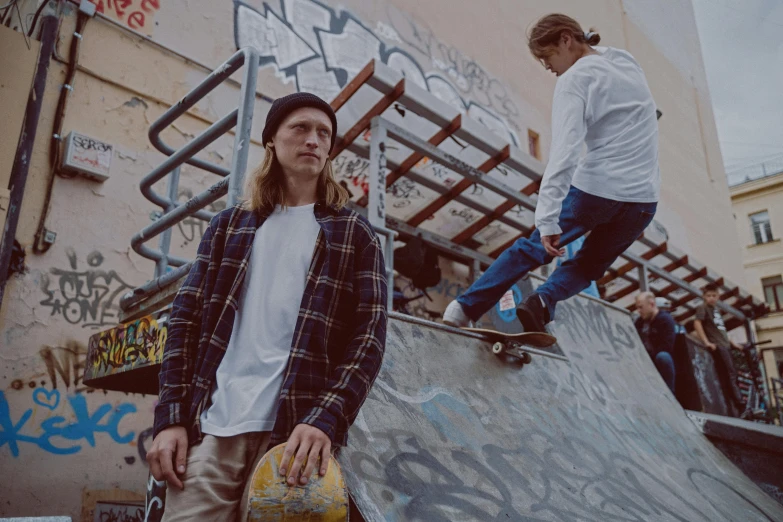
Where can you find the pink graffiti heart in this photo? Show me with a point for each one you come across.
(51, 399)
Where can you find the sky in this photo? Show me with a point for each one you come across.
(742, 46)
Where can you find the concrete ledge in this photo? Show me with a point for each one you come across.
(756, 449)
(764, 437)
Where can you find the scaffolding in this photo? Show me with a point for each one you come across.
(468, 178)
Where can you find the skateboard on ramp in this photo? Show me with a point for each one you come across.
(270, 498)
(513, 344)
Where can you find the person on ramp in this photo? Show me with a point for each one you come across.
(601, 100)
(278, 331)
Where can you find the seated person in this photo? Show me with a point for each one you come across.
(657, 330)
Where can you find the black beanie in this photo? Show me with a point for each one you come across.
(282, 107)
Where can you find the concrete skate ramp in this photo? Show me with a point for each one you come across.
(451, 432)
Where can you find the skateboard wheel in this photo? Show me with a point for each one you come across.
(526, 358)
(498, 348)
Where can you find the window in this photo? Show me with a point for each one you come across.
(532, 144)
(761, 227)
(773, 292)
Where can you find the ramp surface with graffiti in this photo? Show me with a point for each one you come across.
(450, 432)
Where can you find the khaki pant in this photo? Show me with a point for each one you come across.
(216, 479)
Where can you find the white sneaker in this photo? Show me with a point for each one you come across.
(455, 315)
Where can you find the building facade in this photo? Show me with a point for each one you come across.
(758, 211)
(66, 446)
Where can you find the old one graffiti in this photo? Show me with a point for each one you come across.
(88, 297)
(321, 49)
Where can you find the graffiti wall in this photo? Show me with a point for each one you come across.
(320, 48)
(67, 448)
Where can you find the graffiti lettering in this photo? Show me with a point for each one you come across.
(492, 233)
(55, 435)
(126, 346)
(129, 12)
(106, 512)
(156, 499)
(85, 143)
(403, 191)
(192, 228)
(87, 297)
(67, 362)
(556, 442)
(321, 49)
(464, 214)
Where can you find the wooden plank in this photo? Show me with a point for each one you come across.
(364, 122)
(353, 86)
(415, 157)
(613, 274)
(458, 189)
(499, 211)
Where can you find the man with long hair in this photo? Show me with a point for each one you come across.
(601, 101)
(278, 332)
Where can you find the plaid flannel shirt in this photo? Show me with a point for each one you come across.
(339, 338)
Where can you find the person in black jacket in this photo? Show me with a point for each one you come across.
(657, 330)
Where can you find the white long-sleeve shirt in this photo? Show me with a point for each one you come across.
(602, 101)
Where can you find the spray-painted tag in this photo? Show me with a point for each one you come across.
(507, 301)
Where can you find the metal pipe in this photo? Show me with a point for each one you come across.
(216, 77)
(242, 116)
(752, 340)
(679, 282)
(165, 239)
(181, 156)
(376, 205)
(460, 167)
(213, 193)
(434, 186)
(244, 124)
(440, 243)
(39, 246)
(644, 279)
(388, 257)
(24, 149)
(142, 292)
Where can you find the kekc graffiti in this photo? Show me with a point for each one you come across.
(55, 434)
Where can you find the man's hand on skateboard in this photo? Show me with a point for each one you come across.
(169, 449)
(306, 442)
(552, 245)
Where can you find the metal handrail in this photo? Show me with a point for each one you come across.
(174, 212)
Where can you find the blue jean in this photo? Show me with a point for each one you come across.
(665, 365)
(613, 227)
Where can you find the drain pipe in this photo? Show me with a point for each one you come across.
(24, 149)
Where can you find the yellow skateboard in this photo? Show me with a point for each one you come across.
(271, 499)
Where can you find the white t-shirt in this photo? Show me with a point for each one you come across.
(249, 378)
(603, 102)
